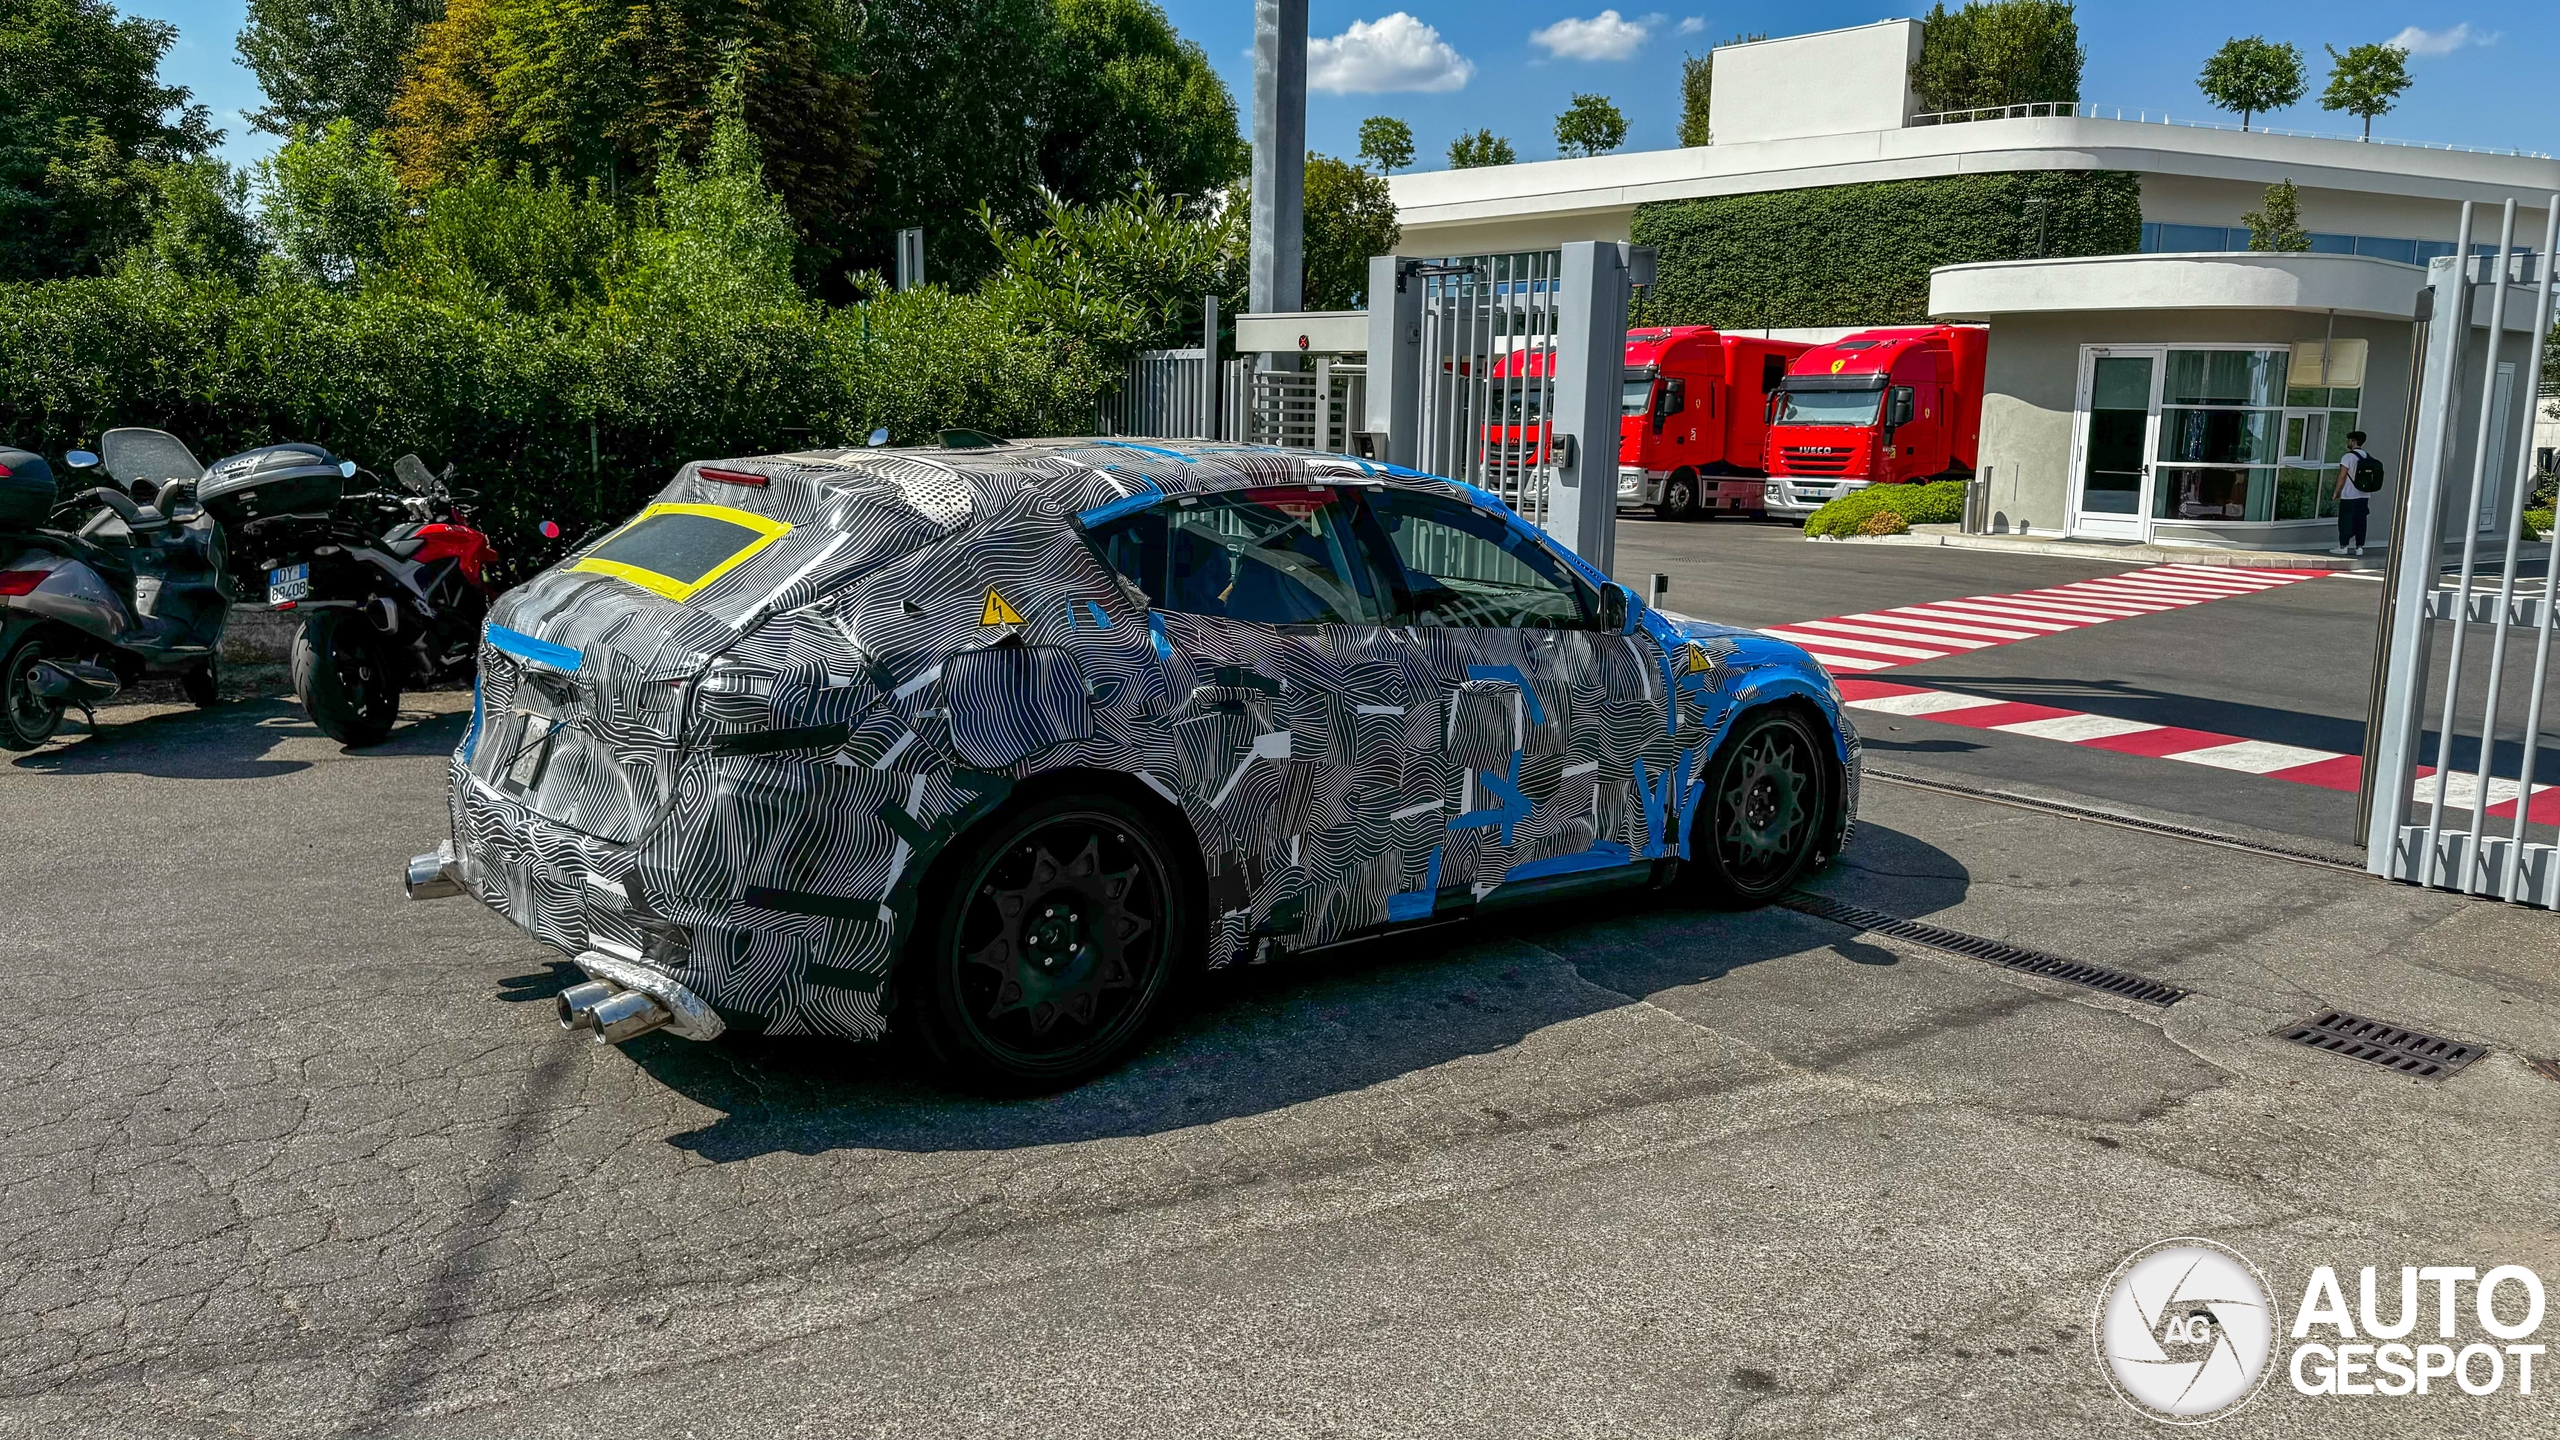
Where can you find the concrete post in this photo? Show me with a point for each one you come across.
(1395, 358)
(1591, 362)
(1277, 266)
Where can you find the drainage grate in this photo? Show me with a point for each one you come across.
(2547, 1069)
(1997, 952)
(2109, 817)
(2379, 1042)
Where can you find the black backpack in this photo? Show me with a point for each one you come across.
(2369, 473)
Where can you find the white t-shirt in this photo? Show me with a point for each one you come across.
(2347, 475)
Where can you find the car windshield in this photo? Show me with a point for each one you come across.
(1828, 407)
(1639, 391)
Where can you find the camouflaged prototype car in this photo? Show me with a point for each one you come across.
(1003, 744)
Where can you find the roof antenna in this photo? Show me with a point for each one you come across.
(879, 437)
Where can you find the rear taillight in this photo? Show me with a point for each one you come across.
(20, 582)
(734, 477)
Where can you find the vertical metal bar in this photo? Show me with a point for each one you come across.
(2434, 409)
(2513, 871)
(1324, 404)
(2429, 868)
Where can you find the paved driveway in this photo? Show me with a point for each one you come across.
(285, 1155)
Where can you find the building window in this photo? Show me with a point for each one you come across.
(2221, 421)
(2324, 390)
(2161, 237)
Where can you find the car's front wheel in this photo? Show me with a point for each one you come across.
(1760, 823)
(1062, 933)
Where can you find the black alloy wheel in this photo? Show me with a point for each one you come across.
(1679, 497)
(27, 719)
(1065, 929)
(343, 673)
(1767, 802)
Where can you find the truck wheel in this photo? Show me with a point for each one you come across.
(1760, 823)
(344, 679)
(1066, 928)
(1679, 497)
(27, 719)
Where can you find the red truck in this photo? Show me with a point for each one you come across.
(1880, 407)
(1695, 413)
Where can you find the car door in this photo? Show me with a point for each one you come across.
(1289, 702)
(1538, 719)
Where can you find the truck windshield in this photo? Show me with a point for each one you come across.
(1639, 392)
(1827, 407)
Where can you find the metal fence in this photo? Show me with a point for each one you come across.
(1166, 393)
(1489, 325)
(1319, 408)
(2455, 739)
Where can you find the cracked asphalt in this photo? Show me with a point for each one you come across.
(286, 1155)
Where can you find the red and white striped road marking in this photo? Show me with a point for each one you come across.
(1909, 634)
(2326, 769)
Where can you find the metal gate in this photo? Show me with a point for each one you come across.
(2457, 726)
(1489, 327)
(1318, 408)
(1170, 394)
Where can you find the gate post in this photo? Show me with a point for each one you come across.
(1590, 373)
(1395, 358)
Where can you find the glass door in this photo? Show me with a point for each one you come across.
(2119, 415)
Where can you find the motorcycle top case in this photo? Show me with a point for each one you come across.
(294, 479)
(26, 487)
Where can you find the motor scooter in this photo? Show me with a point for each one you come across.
(121, 581)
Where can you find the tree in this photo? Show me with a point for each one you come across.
(1998, 53)
(198, 214)
(2250, 75)
(320, 60)
(1133, 103)
(83, 118)
(2277, 223)
(329, 198)
(1697, 91)
(1349, 217)
(2366, 81)
(1590, 126)
(1122, 276)
(1478, 149)
(1386, 142)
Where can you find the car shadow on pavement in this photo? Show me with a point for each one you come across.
(1263, 1040)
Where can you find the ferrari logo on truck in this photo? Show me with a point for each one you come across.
(1836, 364)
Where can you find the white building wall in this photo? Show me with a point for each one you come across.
(1833, 83)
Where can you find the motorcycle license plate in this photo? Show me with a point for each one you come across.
(293, 582)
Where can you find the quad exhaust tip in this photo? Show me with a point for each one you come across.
(609, 1012)
(436, 874)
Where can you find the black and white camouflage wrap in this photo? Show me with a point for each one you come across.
(744, 790)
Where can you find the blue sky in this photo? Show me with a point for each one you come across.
(1511, 65)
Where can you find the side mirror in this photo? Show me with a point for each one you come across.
(1897, 406)
(879, 437)
(347, 469)
(1617, 608)
(81, 460)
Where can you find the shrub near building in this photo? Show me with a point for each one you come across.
(1861, 254)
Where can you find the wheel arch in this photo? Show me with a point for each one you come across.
(1807, 705)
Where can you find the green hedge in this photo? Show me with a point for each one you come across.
(574, 417)
(1940, 502)
(1861, 254)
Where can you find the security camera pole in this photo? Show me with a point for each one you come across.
(1278, 279)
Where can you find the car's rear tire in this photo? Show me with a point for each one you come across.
(1059, 933)
(344, 678)
(1679, 497)
(1760, 823)
(27, 719)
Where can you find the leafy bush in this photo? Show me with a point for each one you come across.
(2537, 523)
(1861, 254)
(1889, 509)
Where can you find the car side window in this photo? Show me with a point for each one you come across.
(1466, 567)
(1279, 555)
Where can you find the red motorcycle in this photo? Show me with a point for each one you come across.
(391, 585)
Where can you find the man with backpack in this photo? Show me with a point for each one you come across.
(2359, 476)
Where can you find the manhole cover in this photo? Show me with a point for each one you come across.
(1977, 947)
(2379, 1042)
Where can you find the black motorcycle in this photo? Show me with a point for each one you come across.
(121, 581)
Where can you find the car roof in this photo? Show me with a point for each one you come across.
(1092, 471)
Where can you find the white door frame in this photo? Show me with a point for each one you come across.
(2136, 526)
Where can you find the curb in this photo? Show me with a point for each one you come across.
(2114, 554)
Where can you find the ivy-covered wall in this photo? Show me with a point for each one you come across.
(1861, 254)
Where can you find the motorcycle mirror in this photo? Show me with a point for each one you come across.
(880, 437)
(81, 460)
(347, 468)
(550, 529)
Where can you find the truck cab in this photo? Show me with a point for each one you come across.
(1891, 406)
(1690, 439)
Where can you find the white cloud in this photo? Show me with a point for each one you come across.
(1690, 26)
(1605, 36)
(2442, 42)
(1395, 52)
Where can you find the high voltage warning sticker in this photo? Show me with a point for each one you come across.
(998, 612)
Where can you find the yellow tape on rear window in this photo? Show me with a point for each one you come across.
(767, 531)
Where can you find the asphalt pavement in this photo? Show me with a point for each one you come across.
(286, 1155)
